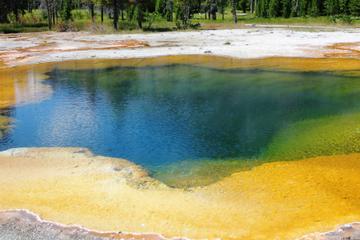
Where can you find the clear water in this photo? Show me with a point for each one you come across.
(155, 116)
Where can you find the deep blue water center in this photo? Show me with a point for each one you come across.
(159, 115)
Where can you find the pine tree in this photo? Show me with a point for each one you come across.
(314, 10)
(286, 8)
(262, 8)
(115, 5)
(233, 10)
(354, 7)
(66, 10)
(332, 7)
(275, 8)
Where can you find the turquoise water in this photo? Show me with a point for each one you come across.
(156, 116)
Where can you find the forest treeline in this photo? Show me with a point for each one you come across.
(179, 11)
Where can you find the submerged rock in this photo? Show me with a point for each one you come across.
(5, 125)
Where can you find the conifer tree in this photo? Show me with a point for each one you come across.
(66, 10)
(354, 7)
(275, 8)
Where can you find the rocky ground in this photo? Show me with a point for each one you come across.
(344, 232)
(23, 225)
(251, 42)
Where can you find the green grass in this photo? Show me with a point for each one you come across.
(33, 21)
(248, 18)
(296, 20)
(22, 28)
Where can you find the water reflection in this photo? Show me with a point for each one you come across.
(22, 86)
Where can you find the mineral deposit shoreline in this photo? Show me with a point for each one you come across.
(73, 186)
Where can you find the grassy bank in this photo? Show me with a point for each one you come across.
(22, 28)
(82, 22)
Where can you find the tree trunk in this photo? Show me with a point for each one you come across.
(140, 15)
(213, 15)
(122, 10)
(48, 9)
(102, 13)
(16, 12)
(255, 6)
(92, 11)
(54, 15)
(116, 14)
(233, 3)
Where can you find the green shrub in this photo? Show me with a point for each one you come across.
(33, 17)
(80, 14)
(128, 25)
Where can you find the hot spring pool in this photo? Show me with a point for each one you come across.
(162, 117)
